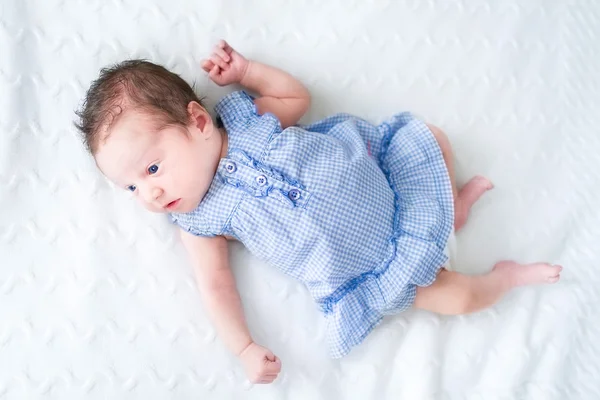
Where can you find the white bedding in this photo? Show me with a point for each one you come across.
(97, 299)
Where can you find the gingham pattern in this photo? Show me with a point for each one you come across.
(373, 217)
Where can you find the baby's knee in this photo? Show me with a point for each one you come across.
(440, 136)
(451, 294)
(464, 301)
(437, 132)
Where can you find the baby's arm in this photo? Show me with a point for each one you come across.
(219, 294)
(280, 93)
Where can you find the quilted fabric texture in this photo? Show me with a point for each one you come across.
(98, 299)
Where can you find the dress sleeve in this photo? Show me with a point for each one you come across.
(237, 111)
(192, 223)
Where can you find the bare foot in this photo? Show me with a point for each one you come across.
(467, 196)
(528, 274)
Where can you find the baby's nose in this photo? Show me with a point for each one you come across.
(152, 194)
(156, 193)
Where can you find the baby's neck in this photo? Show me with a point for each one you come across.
(224, 142)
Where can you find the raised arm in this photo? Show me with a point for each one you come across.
(220, 296)
(280, 93)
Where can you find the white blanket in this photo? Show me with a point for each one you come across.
(98, 301)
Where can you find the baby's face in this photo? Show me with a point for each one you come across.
(168, 169)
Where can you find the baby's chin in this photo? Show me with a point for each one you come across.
(158, 210)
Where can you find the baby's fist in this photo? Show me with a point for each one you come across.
(225, 65)
(260, 364)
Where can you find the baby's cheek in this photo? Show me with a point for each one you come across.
(193, 182)
(151, 207)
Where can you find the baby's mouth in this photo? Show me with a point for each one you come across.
(173, 204)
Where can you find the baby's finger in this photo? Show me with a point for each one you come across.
(225, 46)
(270, 356)
(214, 72)
(222, 44)
(273, 368)
(207, 65)
(222, 53)
(219, 61)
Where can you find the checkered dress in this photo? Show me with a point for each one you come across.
(359, 213)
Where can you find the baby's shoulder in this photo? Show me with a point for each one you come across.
(236, 110)
(246, 128)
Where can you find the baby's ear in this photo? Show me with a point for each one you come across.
(199, 117)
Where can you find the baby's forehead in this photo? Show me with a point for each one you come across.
(132, 123)
(128, 142)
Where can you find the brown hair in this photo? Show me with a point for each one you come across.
(132, 84)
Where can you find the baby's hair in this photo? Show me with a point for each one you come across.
(133, 84)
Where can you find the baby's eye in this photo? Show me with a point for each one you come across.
(131, 188)
(153, 169)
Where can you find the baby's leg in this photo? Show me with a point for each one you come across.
(468, 194)
(453, 293)
(447, 153)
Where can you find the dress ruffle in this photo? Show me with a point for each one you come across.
(423, 221)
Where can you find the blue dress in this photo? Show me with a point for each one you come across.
(359, 213)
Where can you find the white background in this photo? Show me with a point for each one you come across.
(97, 299)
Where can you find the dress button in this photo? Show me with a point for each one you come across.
(261, 180)
(294, 194)
(230, 167)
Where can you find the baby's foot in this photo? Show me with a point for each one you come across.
(467, 196)
(528, 274)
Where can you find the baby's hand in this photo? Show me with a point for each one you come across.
(225, 66)
(260, 364)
